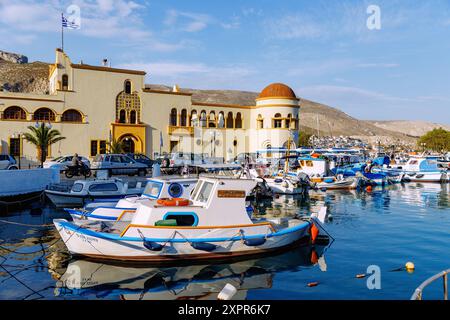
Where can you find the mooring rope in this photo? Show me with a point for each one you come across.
(27, 225)
(9, 203)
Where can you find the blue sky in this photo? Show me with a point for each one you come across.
(322, 49)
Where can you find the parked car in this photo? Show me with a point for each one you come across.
(119, 164)
(64, 161)
(181, 158)
(141, 158)
(7, 162)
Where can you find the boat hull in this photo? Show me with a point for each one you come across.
(438, 177)
(347, 184)
(63, 199)
(102, 246)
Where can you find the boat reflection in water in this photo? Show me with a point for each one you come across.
(89, 279)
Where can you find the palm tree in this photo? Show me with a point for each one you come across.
(115, 146)
(42, 137)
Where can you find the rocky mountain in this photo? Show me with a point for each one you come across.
(13, 57)
(412, 128)
(17, 75)
(330, 121)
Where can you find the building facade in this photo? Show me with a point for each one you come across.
(91, 105)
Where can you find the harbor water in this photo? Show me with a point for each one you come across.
(378, 230)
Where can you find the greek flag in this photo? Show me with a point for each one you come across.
(161, 142)
(69, 24)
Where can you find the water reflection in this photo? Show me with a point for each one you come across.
(84, 278)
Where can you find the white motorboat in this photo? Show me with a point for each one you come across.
(124, 209)
(212, 225)
(319, 172)
(87, 191)
(422, 169)
(337, 183)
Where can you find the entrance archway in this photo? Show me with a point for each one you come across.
(128, 144)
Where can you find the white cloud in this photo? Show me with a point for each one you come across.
(195, 74)
(378, 65)
(103, 19)
(293, 27)
(194, 22)
(187, 21)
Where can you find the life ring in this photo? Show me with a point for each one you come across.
(173, 202)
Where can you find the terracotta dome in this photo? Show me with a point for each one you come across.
(277, 90)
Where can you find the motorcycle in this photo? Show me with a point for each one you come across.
(72, 171)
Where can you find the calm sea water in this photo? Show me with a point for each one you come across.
(386, 228)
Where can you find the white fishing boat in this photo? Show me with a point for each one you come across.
(337, 183)
(423, 169)
(212, 225)
(87, 191)
(319, 171)
(156, 188)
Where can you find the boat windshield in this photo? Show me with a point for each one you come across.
(153, 189)
(77, 187)
(205, 192)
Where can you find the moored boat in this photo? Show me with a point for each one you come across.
(156, 188)
(87, 191)
(212, 225)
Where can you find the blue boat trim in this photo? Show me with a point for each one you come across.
(116, 237)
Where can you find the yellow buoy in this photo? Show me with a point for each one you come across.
(409, 266)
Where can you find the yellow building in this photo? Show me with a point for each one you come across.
(91, 105)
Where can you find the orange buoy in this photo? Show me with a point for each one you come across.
(314, 231)
(313, 284)
(173, 202)
(369, 188)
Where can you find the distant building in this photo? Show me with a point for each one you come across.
(91, 105)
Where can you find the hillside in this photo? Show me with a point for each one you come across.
(412, 128)
(330, 121)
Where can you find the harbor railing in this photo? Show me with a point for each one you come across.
(418, 293)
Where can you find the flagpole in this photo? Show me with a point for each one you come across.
(62, 32)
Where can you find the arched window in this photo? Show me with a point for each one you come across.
(230, 122)
(203, 119)
(287, 121)
(127, 85)
(133, 116)
(212, 120)
(65, 82)
(221, 120)
(44, 114)
(260, 122)
(294, 124)
(71, 116)
(173, 117)
(183, 118)
(122, 116)
(238, 122)
(194, 118)
(277, 120)
(14, 113)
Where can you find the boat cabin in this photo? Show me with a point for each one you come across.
(101, 187)
(422, 164)
(213, 202)
(314, 166)
(169, 187)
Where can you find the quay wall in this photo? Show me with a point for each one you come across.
(17, 182)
